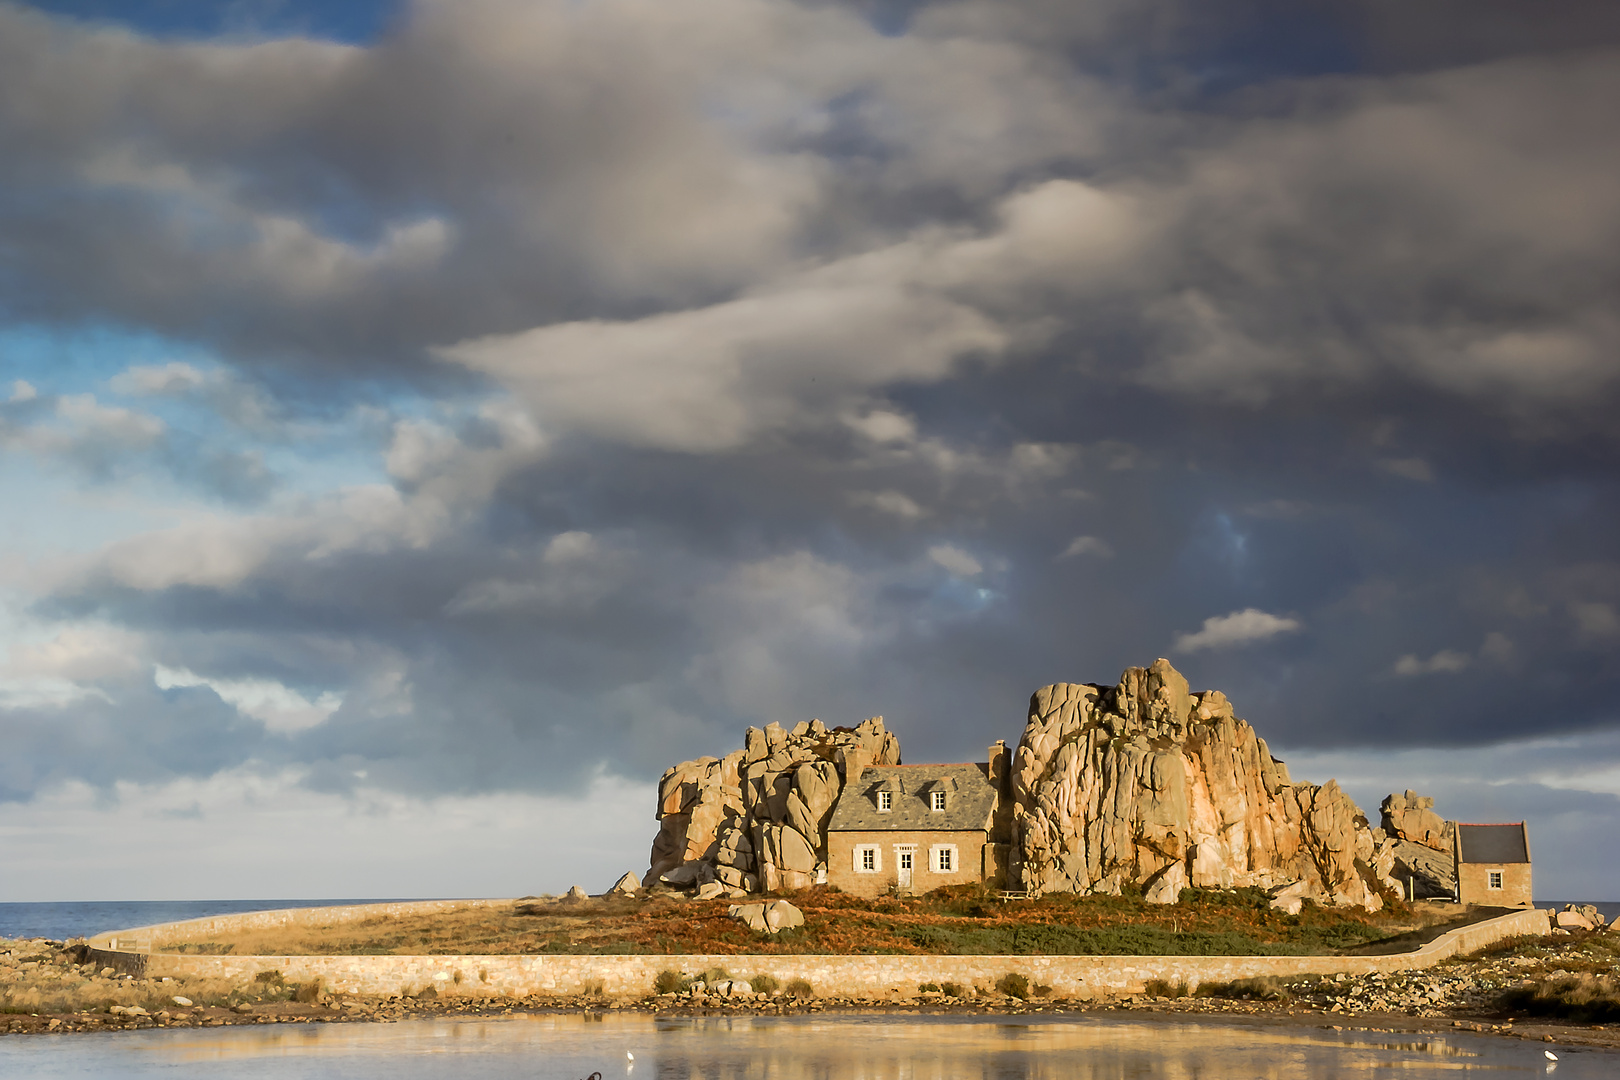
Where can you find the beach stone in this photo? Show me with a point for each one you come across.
(781, 915)
(576, 894)
(628, 885)
(178, 1000)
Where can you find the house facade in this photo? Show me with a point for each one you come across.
(1493, 865)
(915, 828)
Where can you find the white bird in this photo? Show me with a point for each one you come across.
(628, 1056)
(1550, 1055)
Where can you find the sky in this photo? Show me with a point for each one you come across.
(421, 423)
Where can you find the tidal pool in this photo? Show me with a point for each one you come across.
(868, 1047)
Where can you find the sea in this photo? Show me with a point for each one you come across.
(74, 919)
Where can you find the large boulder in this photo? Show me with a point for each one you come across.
(1149, 783)
(1411, 817)
(756, 819)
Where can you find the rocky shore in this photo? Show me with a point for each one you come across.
(47, 992)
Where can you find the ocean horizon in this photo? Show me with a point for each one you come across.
(66, 920)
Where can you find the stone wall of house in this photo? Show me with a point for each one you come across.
(1146, 782)
(841, 871)
(862, 976)
(1474, 887)
(756, 819)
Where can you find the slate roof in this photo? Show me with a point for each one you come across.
(970, 799)
(1494, 843)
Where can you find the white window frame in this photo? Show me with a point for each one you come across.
(1498, 876)
(877, 858)
(902, 852)
(936, 801)
(885, 801)
(949, 852)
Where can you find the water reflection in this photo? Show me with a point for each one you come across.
(796, 1048)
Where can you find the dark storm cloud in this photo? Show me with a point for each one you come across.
(835, 363)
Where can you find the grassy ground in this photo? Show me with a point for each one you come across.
(966, 920)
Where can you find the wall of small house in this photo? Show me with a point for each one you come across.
(841, 871)
(1473, 885)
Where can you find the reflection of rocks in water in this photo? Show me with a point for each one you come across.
(853, 1047)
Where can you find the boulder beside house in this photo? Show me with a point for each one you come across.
(916, 828)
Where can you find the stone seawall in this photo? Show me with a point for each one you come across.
(862, 976)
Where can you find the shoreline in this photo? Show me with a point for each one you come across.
(1153, 1010)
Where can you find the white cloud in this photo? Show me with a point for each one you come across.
(21, 391)
(1594, 619)
(249, 833)
(1410, 468)
(883, 426)
(955, 560)
(173, 378)
(280, 708)
(1446, 661)
(568, 547)
(1089, 545)
(896, 503)
(1239, 628)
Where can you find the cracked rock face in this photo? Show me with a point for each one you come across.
(1146, 782)
(756, 820)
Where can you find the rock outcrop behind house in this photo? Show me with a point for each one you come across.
(1424, 860)
(1146, 782)
(756, 819)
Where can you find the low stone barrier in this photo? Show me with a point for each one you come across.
(874, 977)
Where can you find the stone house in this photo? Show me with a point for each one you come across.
(915, 828)
(1493, 865)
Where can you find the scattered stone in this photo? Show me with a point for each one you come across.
(178, 1000)
(629, 885)
(712, 890)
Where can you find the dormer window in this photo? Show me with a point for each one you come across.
(936, 800)
(885, 801)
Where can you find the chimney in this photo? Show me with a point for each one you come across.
(854, 759)
(999, 759)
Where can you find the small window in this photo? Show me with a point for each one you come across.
(885, 801)
(937, 800)
(1494, 879)
(905, 854)
(944, 859)
(867, 860)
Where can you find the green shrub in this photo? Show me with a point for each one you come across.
(308, 992)
(668, 982)
(764, 984)
(1165, 988)
(951, 989)
(1593, 999)
(272, 977)
(1013, 985)
(716, 975)
(928, 988)
(1259, 989)
(1043, 991)
(799, 988)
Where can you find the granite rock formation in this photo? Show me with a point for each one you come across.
(1425, 865)
(1411, 816)
(756, 819)
(1148, 783)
